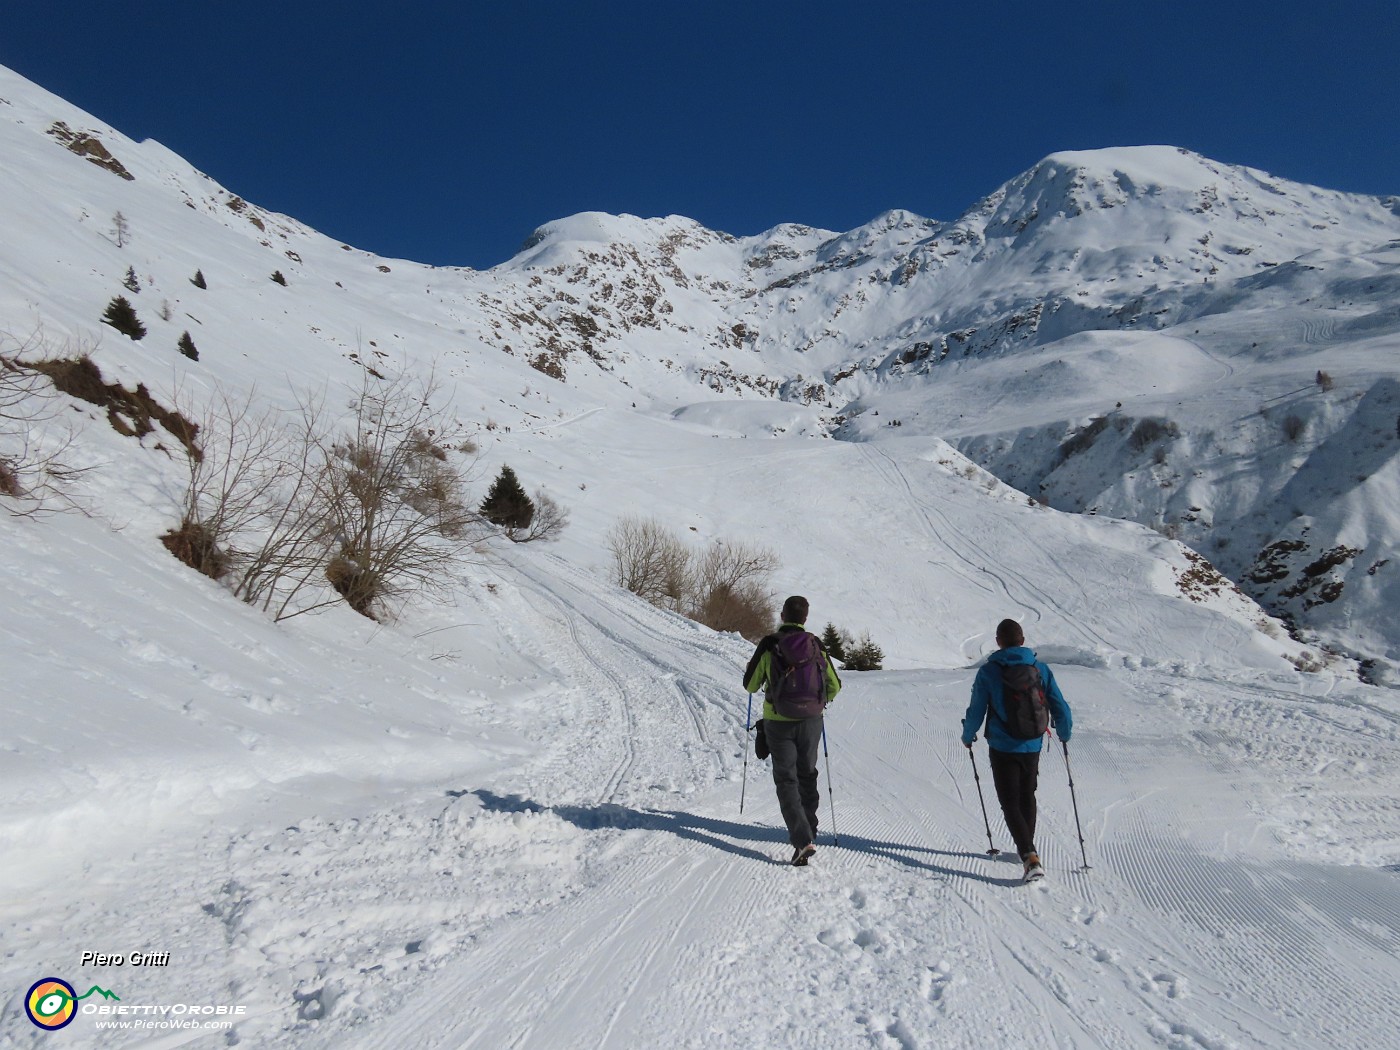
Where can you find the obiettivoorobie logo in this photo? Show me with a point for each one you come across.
(52, 1003)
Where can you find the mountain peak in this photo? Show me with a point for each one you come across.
(602, 228)
(1147, 165)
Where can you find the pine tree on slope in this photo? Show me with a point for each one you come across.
(506, 503)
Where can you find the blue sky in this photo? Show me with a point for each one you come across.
(446, 132)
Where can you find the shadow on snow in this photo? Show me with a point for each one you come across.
(731, 836)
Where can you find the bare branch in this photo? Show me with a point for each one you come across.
(649, 561)
(35, 474)
(549, 520)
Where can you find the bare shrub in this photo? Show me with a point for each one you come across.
(9, 479)
(1294, 427)
(193, 544)
(746, 609)
(240, 474)
(1083, 439)
(360, 586)
(34, 471)
(726, 585)
(293, 542)
(550, 519)
(649, 561)
(394, 499)
(1308, 662)
(1324, 380)
(1150, 431)
(294, 519)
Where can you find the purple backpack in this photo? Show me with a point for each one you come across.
(797, 684)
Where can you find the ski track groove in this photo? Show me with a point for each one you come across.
(1319, 332)
(628, 699)
(1210, 896)
(627, 747)
(883, 465)
(983, 558)
(996, 936)
(1251, 919)
(676, 673)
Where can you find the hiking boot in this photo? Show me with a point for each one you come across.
(802, 855)
(1032, 865)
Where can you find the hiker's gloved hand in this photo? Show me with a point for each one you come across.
(1062, 737)
(968, 743)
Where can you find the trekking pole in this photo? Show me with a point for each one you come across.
(992, 851)
(830, 795)
(1083, 855)
(748, 725)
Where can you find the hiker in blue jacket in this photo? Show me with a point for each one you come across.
(1015, 759)
(798, 679)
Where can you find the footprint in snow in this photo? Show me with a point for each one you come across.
(936, 980)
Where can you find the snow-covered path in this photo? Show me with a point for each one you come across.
(682, 926)
(606, 892)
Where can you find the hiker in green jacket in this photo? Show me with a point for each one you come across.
(798, 680)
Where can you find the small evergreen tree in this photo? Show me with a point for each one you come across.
(130, 281)
(186, 346)
(865, 656)
(277, 276)
(121, 315)
(198, 279)
(506, 503)
(831, 638)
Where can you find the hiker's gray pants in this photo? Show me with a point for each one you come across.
(794, 747)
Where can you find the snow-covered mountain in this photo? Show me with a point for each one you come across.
(1132, 332)
(520, 798)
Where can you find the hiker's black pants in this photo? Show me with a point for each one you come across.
(794, 747)
(1015, 775)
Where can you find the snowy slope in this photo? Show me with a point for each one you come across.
(511, 817)
(532, 838)
(1040, 294)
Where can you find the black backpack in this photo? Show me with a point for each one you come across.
(1023, 697)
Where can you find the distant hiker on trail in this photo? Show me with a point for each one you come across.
(798, 680)
(1016, 696)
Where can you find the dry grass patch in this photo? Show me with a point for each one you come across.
(132, 413)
